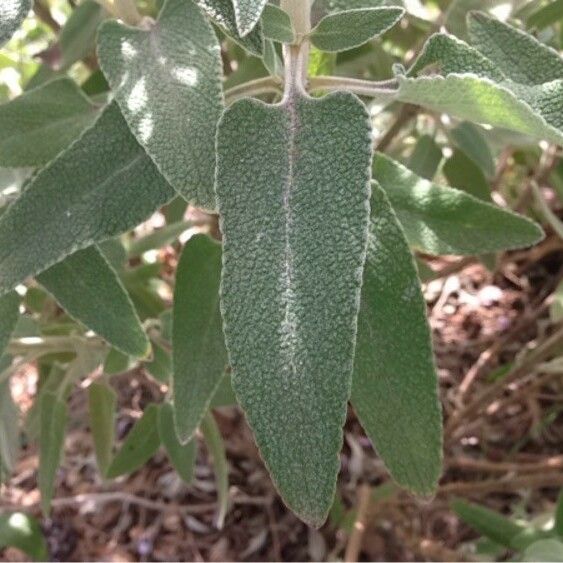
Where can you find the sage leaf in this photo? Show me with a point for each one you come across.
(140, 445)
(101, 186)
(458, 10)
(24, 533)
(160, 365)
(167, 82)
(102, 402)
(440, 220)
(546, 15)
(40, 123)
(181, 456)
(277, 25)
(9, 425)
(470, 139)
(426, 157)
(549, 549)
(287, 175)
(345, 30)
(462, 173)
(90, 291)
(395, 386)
(12, 14)
(222, 12)
(9, 313)
(198, 344)
(520, 56)
(331, 6)
(247, 14)
(53, 417)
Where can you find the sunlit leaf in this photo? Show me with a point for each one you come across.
(24, 533)
(247, 14)
(12, 14)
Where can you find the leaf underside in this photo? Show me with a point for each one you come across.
(395, 386)
(167, 82)
(292, 181)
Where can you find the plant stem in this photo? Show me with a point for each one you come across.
(267, 85)
(51, 344)
(384, 91)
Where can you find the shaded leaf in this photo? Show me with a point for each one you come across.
(547, 550)
(140, 445)
(181, 456)
(53, 419)
(60, 212)
(558, 524)
(277, 24)
(12, 14)
(9, 314)
(9, 425)
(160, 366)
(40, 123)
(345, 30)
(456, 14)
(395, 386)
(24, 533)
(159, 238)
(199, 353)
(289, 307)
(462, 173)
(102, 402)
(439, 220)
(546, 15)
(88, 288)
(469, 138)
(426, 157)
(167, 82)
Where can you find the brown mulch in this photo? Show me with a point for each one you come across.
(504, 451)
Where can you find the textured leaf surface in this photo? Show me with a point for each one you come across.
(426, 157)
(181, 456)
(462, 173)
(277, 24)
(199, 353)
(518, 55)
(89, 290)
(346, 30)
(222, 12)
(395, 387)
(469, 138)
(24, 533)
(140, 444)
(12, 14)
(40, 123)
(53, 417)
(289, 305)
(9, 313)
(441, 220)
(167, 82)
(456, 14)
(99, 187)
(247, 14)
(102, 402)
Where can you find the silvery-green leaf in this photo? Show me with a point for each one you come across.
(272, 61)
(12, 14)
(345, 30)
(247, 14)
(199, 353)
(40, 123)
(549, 549)
(277, 25)
(167, 81)
(395, 387)
(456, 13)
(288, 175)
(441, 220)
(222, 12)
(343, 5)
(520, 56)
(90, 291)
(102, 402)
(101, 186)
(9, 313)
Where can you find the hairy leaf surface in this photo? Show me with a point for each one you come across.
(102, 185)
(199, 353)
(520, 56)
(167, 82)
(440, 220)
(293, 188)
(9, 313)
(89, 290)
(277, 24)
(345, 30)
(12, 14)
(247, 14)
(222, 12)
(40, 123)
(102, 402)
(395, 387)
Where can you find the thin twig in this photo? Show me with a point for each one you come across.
(356, 537)
(267, 85)
(554, 463)
(503, 486)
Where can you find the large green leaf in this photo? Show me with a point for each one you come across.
(90, 291)
(222, 12)
(140, 445)
(395, 387)
(102, 402)
(53, 417)
(24, 533)
(470, 139)
(167, 82)
(9, 313)
(181, 456)
(520, 56)
(40, 123)
(277, 24)
(345, 30)
(101, 186)
(199, 353)
(288, 176)
(426, 157)
(247, 14)
(456, 13)
(12, 14)
(440, 220)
